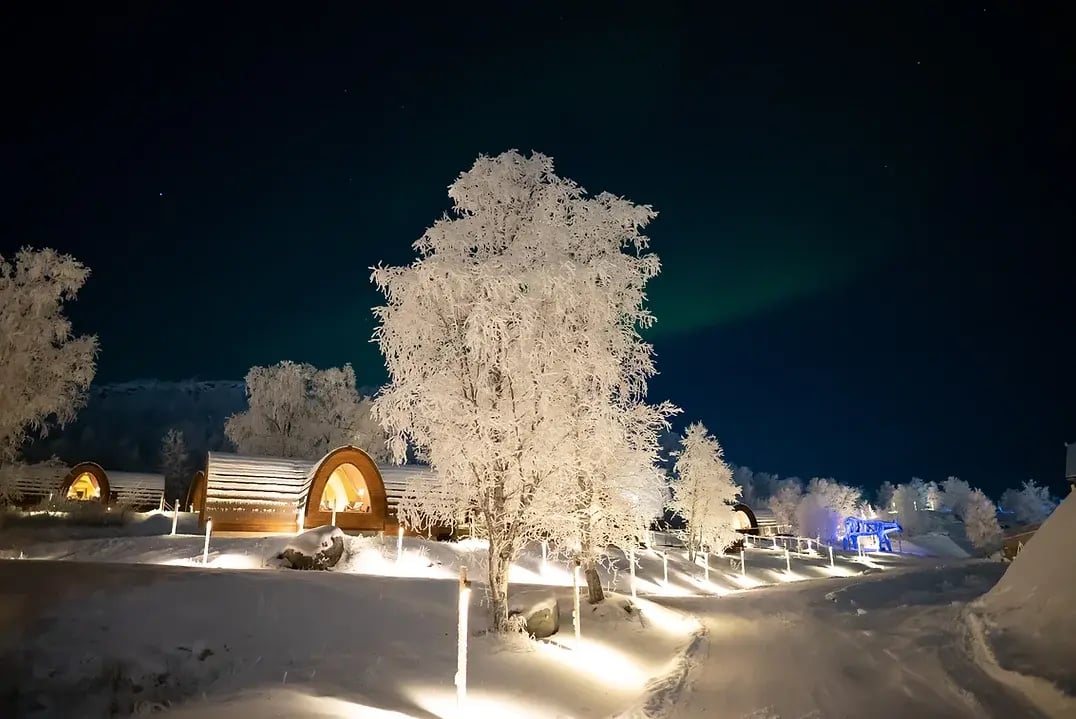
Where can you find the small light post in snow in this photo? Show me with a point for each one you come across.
(461, 643)
(575, 601)
(665, 569)
(788, 561)
(399, 543)
(743, 564)
(205, 549)
(175, 517)
(831, 565)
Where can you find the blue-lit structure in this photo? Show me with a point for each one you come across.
(854, 528)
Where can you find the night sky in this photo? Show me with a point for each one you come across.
(866, 209)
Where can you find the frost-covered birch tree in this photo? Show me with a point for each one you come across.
(703, 492)
(299, 411)
(515, 363)
(44, 367)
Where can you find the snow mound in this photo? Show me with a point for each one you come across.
(1030, 614)
(934, 545)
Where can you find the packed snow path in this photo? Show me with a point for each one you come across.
(889, 645)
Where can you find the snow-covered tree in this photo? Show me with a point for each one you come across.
(784, 503)
(910, 502)
(299, 411)
(755, 487)
(825, 506)
(44, 368)
(954, 495)
(618, 488)
(980, 520)
(175, 464)
(516, 326)
(703, 493)
(883, 499)
(1031, 504)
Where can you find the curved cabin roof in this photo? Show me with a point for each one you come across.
(136, 489)
(254, 493)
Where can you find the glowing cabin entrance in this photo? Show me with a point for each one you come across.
(346, 487)
(345, 491)
(85, 488)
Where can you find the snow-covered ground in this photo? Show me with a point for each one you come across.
(135, 620)
(891, 645)
(82, 638)
(148, 542)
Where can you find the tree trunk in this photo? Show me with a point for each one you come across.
(595, 594)
(498, 591)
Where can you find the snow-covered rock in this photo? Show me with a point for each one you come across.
(540, 612)
(319, 548)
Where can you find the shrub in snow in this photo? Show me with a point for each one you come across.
(1030, 504)
(44, 368)
(703, 493)
(319, 548)
(513, 355)
(299, 411)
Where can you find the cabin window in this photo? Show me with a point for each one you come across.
(84, 487)
(345, 491)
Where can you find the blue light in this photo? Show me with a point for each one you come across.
(855, 527)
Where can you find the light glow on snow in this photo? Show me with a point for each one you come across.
(441, 702)
(604, 663)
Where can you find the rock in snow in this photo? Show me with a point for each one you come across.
(319, 548)
(540, 612)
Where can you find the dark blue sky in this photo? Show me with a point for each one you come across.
(865, 219)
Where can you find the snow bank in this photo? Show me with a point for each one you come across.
(1030, 615)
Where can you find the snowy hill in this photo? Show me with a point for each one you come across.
(122, 424)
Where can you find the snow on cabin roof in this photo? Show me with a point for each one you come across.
(36, 479)
(237, 477)
(399, 478)
(136, 487)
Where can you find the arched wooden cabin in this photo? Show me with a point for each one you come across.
(270, 494)
(89, 482)
(759, 521)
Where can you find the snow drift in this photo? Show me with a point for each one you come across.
(1031, 613)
